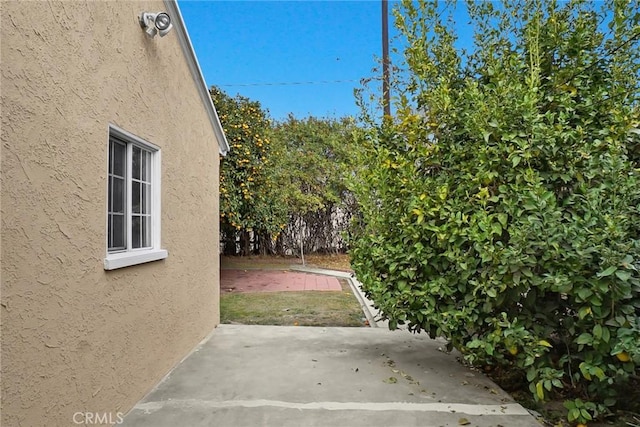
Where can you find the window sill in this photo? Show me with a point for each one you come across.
(126, 259)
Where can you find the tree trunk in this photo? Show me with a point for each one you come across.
(279, 249)
(245, 243)
(229, 240)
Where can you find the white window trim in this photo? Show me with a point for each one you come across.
(131, 257)
(126, 259)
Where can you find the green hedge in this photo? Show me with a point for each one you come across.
(501, 206)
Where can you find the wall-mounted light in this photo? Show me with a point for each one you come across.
(156, 23)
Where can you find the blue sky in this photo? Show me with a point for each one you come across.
(260, 43)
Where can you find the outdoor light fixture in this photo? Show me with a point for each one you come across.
(156, 23)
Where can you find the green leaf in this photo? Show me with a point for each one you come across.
(502, 219)
(585, 414)
(585, 338)
(623, 275)
(598, 372)
(489, 349)
(496, 229)
(608, 272)
(584, 368)
(573, 414)
(597, 331)
(485, 136)
(584, 293)
(531, 374)
(528, 361)
(583, 312)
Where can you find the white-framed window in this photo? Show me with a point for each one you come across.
(133, 201)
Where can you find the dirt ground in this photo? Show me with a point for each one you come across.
(329, 261)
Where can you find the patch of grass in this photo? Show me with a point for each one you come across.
(307, 308)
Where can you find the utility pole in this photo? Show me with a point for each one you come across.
(385, 58)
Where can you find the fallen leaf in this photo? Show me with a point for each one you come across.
(464, 422)
(391, 380)
(406, 376)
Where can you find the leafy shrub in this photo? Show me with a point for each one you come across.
(501, 207)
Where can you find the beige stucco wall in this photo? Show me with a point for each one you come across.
(77, 338)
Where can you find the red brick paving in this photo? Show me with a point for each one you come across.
(275, 281)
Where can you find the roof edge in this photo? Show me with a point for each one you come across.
(196, 73)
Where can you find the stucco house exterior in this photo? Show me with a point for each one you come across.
(109, 207)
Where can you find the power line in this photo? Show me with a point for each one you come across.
(318, 82)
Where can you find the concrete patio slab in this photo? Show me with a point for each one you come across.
(305, 376)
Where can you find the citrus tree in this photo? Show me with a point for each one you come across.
(251, 207)
(500, 208)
